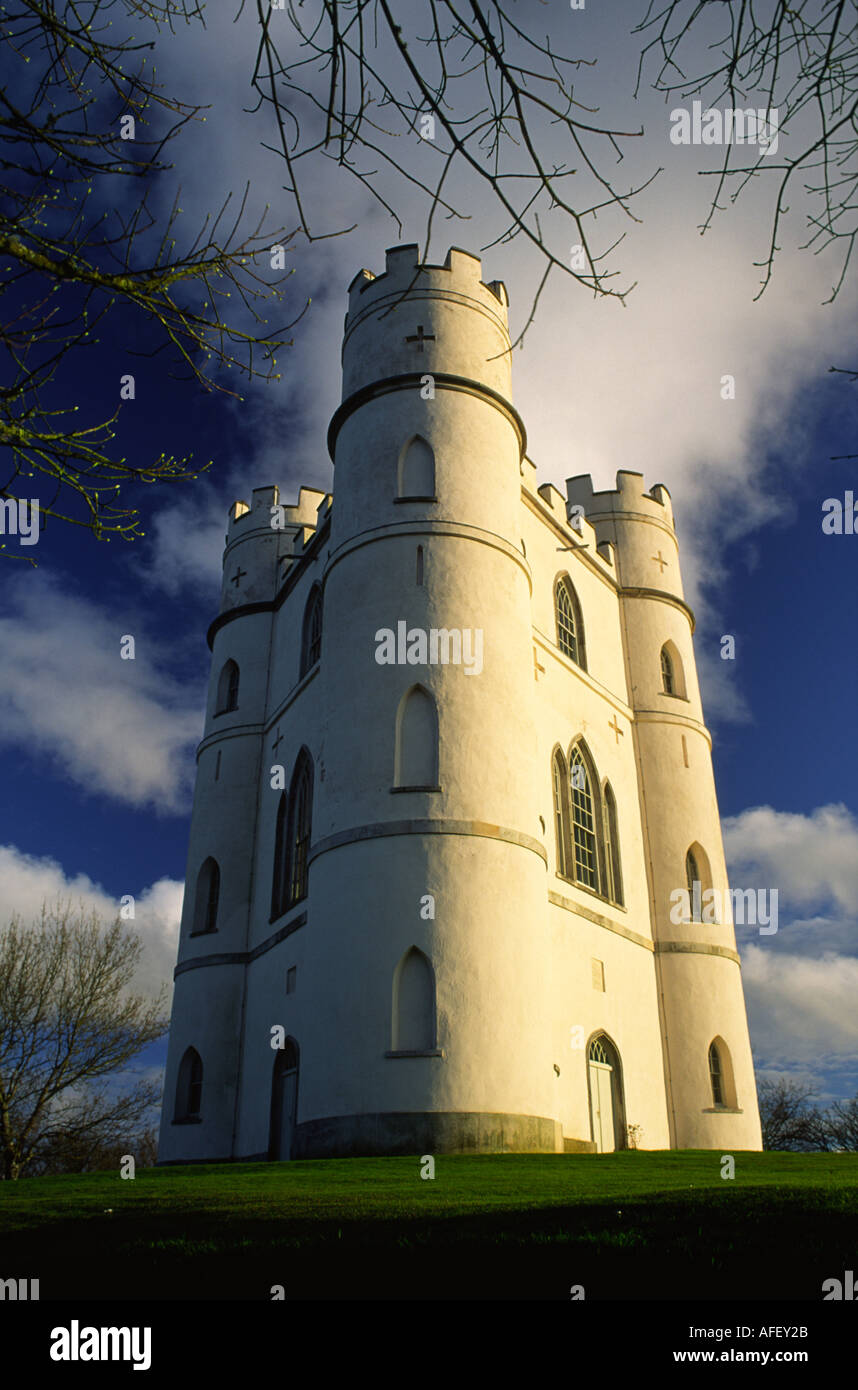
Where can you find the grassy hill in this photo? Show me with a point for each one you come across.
(625, 1225)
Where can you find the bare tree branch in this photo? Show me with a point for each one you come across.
(82, 251)
(802, 61)
(343, 89)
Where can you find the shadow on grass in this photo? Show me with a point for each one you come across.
(744, 1244)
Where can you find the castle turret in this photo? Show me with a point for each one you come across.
(430, 776)
(263, 540)
(700, 989)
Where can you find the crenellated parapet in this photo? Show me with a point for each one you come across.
(428, 320)
(460, 274)
(265, 539)
(577, 527)
(629, 498)
(638, 522)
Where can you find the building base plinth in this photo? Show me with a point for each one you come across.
(422, 1132)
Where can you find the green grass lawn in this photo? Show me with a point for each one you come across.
(625, 1225)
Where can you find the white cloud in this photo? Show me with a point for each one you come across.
(801, 983)
(801, 1011)
(720, 688)
(812, 860)
(183, 546)
(29, 881)
(119, 727)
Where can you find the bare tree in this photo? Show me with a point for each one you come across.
(843, 1124)
(404, 97)
(802, 61)
(83, 126)
(103, 1148)
(788, 1119)
(68, 1024)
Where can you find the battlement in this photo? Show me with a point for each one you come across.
(460, 275)
(578, 528)
(307, 513)
(265, 540)
(629, 497)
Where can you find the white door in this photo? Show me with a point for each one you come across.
(602, 1106)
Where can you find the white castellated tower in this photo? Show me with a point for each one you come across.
(454, 781)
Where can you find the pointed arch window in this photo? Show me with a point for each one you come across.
(698, 871)
(667, 678)
(672, 673)
(722, 1081)
(570, 625)
(416, 752)
(300, 817)
(561, 811)
(417, 471)
(613, 872)
(189, 1087)
(311, 634)
(292, 839)
(414, 1026)
(227, 689)
(692, 877)
(206, 898)
(586, 824)
(585, 819)
(716, 1075)
(281, 859)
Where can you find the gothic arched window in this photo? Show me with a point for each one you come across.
(300, 821)
(417, 470)
(614, 885)
(292, 839)
(672, 674)
(667, 672)
(716, 1075)
(416, 753)
(570, 625)
(561, 811)
(311, 635)
(281, 859)
(722, 1082)
(227, 689)
(583, 787)
(206, 898)
(414, 1003)
(189, 1086)
(697, 872)
(692, 876)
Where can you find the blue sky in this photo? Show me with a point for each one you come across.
(98, 753)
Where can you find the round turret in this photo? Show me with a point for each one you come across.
(700, 982)
(431, 786)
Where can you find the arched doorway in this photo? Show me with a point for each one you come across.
(604, 1076)
(284, 1101)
